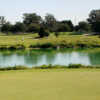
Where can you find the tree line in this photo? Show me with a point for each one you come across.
(34, 23)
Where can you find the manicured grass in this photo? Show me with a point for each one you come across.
(50, 84)
(63, 41)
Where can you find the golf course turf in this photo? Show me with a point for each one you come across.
(50, 84)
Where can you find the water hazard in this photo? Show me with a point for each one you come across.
(32, 58)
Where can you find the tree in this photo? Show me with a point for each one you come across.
(62, 27)
(2, 21)
(33, 28)
(94, 16)
(94, 20)
(56, 34)
(84, 26)
(19, 27)
(50, 22)
(6, 27)
(69, 23)
(76, 28)
(43, 32)
(96, 27)
(31, 18)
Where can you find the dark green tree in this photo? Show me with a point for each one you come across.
(2, 21)
(43, 32)
(30, 18)
(19, 27)
(33, 28)
(94, 20)
(84, 26)
(56, 34)
(50, 22)
(6, 27)
(69, 23)
(62, 27)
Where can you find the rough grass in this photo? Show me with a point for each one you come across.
(63, 41)
(47, 84)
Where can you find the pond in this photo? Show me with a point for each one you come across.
(33, 58)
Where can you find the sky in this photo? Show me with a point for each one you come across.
(75, 10)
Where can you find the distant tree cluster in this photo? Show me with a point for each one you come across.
(91, 25)
(83, 27)
(34, 23)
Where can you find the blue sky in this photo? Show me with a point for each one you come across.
(76, 10)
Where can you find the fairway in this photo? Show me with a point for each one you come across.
(54, 84)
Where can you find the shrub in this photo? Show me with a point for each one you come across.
(14, 68)
(75, 66)
(44, 67)
(18, 46)
(43, 45)
(46, 45)
(43, 33)
(56, 34)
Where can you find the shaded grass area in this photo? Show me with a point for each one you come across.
(62, 41)
(47, 84)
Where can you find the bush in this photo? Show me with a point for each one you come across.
(44, 45)
(14, 68)
(43, 33)
(44, 67)
(56, 34)
(18, 46)
(75, 66)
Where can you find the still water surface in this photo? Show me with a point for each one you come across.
(45, 57)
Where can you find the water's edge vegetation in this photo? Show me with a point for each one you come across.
(71, 66)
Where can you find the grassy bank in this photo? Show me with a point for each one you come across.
(71, 66)
(63, 41)
(47, 84)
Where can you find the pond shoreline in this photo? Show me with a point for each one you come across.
(38, 48)
(71, 66)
